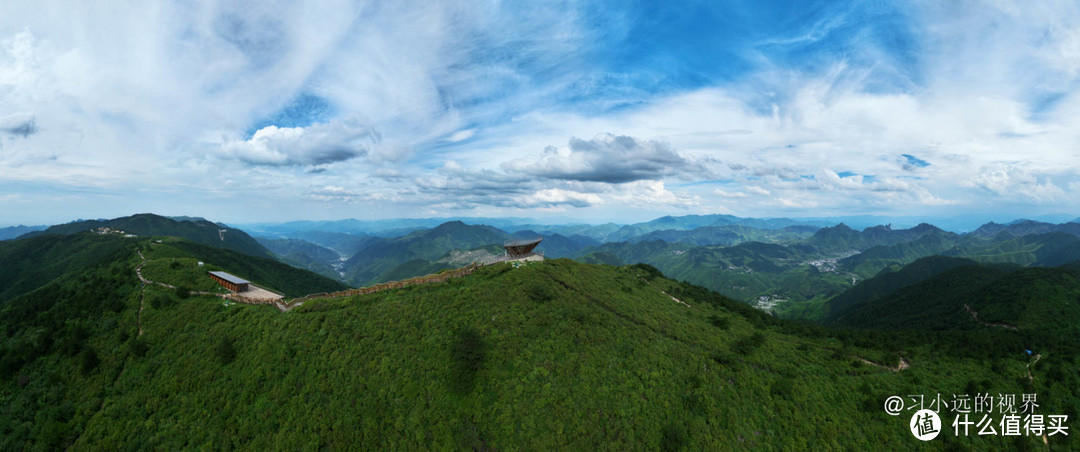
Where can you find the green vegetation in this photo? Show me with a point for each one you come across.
(1040, 299)
(268, 273)
(31, 263)
(797, 278)
(145, 225)
(550, 355)
(182, 272)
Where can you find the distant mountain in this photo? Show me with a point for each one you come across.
(689, 222)
(594, 232)
(873, 260)
(843, 238)
(381, 228)
(746, 271)
(11, 232)
(1020, 228)
(145, 224)
(382, 255)
(344, 243)
(727, 235)
(304, 254)
(1050, 249)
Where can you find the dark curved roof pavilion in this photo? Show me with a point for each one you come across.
(520, 248)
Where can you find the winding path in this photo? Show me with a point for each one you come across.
(903, 364)
(975, 315)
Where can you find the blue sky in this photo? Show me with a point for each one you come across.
(265, 111)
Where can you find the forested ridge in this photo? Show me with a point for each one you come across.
(550, 355)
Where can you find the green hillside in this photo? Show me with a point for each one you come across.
(551, 355)
(888, 282)
(1037, 298)
(31, 263)
(145, 224)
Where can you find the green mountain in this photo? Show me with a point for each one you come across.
(759, 273)
(145, 224)
(551, 355)
(871, 261)
(374, 261)
(842, 238)
(1037, 298)
(795, 279)
(892, 279)
(304, 254)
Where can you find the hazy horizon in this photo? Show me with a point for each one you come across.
(956, 223)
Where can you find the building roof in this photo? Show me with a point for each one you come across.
(230, 278)
(522, 242)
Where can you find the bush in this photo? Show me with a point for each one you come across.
(183, 292)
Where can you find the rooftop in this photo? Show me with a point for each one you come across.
(522, 242)
(230, 278)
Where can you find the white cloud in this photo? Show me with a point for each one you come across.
(556, 196)
(317, 144)
(461, 135)
(608, 158)
(729, 194)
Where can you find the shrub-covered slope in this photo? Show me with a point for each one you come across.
(551, 355)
